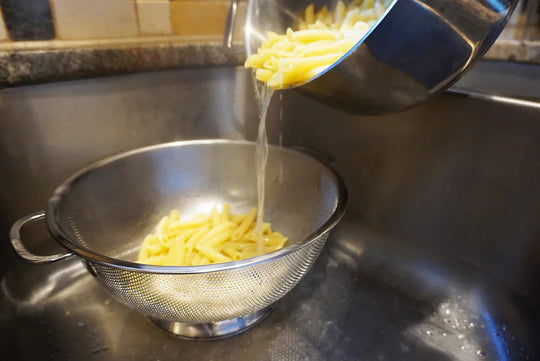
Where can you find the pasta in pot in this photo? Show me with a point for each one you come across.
(324, 37)
(207, 239)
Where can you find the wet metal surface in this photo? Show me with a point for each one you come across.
(367, 298)
(436, 258)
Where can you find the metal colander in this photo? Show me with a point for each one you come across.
(103, 213)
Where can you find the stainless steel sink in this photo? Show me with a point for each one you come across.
(436, 259)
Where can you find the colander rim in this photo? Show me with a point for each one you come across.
(61, 237)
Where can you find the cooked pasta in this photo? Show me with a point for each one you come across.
(324, 37)
(206, 239)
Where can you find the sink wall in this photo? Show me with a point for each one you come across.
(456, 177)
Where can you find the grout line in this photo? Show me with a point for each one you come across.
(53, 18)
(137, 19)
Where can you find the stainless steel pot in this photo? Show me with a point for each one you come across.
(418, 48)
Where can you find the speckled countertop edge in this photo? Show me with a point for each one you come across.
(527, 51)
(33, 66)
(33, 63)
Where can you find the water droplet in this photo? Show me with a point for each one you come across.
(461, 337)
(403, 347)
(444, 334)
(447, 320)
(471, 325)
(80, 324)
(107, 302)
(429, 333)
(463, 347)
(67, 313)
(504, 328)
(447, 312)
(481, 353)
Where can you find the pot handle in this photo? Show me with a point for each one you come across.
(229, 24)
(20, 249)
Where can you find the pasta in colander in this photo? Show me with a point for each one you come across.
(207, 239)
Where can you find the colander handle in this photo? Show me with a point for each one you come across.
(20, 249)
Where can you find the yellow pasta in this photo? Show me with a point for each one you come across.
(243, 227)
(225, 212)
(232, 253)
(207, 239)
(215, 217)
(323, 38)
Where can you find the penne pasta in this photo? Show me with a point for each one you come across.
(264, 74)
(197, 259)
(243, 227)
(310, 14)
(232, 253)
(213, 255)
(218, 239)
(174, 216)
(220, 228)
(238, 218)
(179, 225)
(204, 260)
(239, 246)
(313, 35)
(216, 219)
(207, 239)
(340, 12)
(323, 37)
(197, 236)
(225, 212)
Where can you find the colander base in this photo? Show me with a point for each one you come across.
(213, 330)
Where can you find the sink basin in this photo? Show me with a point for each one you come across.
(436, 258)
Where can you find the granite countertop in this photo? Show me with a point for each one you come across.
(527, 51)
(23, 63)
(31, 63)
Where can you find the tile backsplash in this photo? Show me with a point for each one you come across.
(198, 17)
(154, 17)
(95, 19)
(27, 20)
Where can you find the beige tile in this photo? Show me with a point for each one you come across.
(154, 17)
(3, 32)
(199, 17)
(94, 19)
